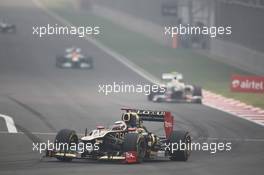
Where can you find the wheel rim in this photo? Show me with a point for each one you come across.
(187, 152)
(141, 149)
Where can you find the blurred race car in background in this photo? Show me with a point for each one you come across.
(7, 28)
(176, 90)
(73, 58)
(127, 140)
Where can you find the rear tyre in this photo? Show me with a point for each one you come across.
(89, 61)
(135, 142)
(183, 141)
(197, 91)
(150, 96)
(198, 101)
(159, 100)
(65, 136)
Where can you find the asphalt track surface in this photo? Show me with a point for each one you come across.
(44, 99)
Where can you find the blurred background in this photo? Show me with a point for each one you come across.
(209, 62)
(244, 47)
(42, 98)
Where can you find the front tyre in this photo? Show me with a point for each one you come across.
(135, 142)
(65, 137)
(198, 101)
(183, 141)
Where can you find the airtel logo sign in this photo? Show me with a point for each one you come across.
(247, 83)
(235, 83)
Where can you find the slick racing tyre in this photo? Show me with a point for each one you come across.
(135, 142)
(63, 137)
(90, 61)
(197, 91)
(179, 139)
(150, 96)
(198, 101)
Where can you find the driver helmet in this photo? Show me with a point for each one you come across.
(119, 125)
(132, 119)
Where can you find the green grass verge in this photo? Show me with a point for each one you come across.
(156, 58)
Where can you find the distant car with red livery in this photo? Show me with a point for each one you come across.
(6, 27)
(74, 58)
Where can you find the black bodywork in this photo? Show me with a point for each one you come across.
(8, 28)
(82, 63)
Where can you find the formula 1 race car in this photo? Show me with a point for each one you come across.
(73, 58)
(127, 140)
(7, 28)
(176, 90)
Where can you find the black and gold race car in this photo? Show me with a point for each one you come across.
(127, 140)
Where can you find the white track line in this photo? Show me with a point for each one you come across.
(143, 73)
(10, 124)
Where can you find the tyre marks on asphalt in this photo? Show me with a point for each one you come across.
(30, 135)
(34, 112)
(15, 128)
(234, 107)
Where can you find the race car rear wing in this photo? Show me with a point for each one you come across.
(170, 76)
(155, 116)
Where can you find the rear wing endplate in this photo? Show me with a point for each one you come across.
(155, 116)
